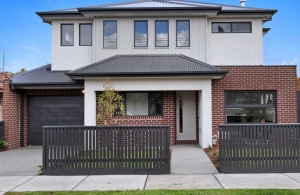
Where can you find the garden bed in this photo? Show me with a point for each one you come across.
(213, 155)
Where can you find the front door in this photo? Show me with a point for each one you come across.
(186, 115)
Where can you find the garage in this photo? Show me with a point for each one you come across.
(52, 111)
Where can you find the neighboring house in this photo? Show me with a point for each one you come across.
(185, 64)
(3, 76)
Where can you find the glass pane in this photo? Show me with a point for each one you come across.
(110, 34)
(221, 27)
(183, 33)
(155, 104)
(141, 34)
(250, 115)
(67, 34)
(136, 104)
(241, 27)
(250, 98)
(161, 33)
(85, 34)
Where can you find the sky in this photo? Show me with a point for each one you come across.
(26, 40)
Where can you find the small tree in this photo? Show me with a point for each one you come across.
(109, 103)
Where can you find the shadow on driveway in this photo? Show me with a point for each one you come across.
(21, 161)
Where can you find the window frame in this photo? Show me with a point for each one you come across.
(273, 105)
(189, 32)
(91, 33)
(147, 32)
(148, 92)
(116, 33)
(61, 35)
(168, 33)
(212, 28)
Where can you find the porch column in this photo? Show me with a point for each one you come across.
(89, 105)
(205, 114)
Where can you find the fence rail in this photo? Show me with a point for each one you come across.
(261, 148)
(81, 150)
(2, 134)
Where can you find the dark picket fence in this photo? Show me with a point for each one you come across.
(261, 148)
(2, 134)
(106, 150)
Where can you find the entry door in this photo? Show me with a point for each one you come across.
(186, 115)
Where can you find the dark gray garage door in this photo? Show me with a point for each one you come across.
(52, 110)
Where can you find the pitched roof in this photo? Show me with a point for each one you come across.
(151, 65)
(159, 4)
(41, 75)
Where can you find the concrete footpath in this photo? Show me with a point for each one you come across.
(151, 182)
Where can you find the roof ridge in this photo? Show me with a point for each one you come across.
(169, 1)
(95, 63)
(197, 61)
(120, 3)
(33, 70)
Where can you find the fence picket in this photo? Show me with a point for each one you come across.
(259, 148)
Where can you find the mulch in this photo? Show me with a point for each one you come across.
(213, 155)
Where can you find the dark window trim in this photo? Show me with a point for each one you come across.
(116, 33)
(212, 30)
(148, 92)
(147, 32)
(91, 33)
(189, 32)
(274, 105)
(61, 38)
(168, 32)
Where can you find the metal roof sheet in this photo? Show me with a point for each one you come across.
(147, 64)
(41, 75)
(162, 4)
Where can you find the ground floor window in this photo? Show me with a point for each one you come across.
(143, 103)
(250, 107)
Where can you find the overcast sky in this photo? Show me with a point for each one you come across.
(26, 40)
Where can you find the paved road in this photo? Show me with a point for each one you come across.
(21, 161)
(151, 182)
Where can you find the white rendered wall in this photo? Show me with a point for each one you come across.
(156, 84)
(235, 48)
(69, 57)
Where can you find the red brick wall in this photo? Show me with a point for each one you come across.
(168, 118)
(11, 116)
(12, 110)
(282, 79)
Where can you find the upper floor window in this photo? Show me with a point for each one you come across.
(161, 33)
(250, 107)
(85, 34)
(110, 34)
(140, 33)
(67, 34)
(231, 27)
(182, 33)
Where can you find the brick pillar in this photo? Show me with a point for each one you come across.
(11, 115)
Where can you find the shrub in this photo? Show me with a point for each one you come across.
(2, 144)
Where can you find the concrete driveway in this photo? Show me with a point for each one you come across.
(21, 161)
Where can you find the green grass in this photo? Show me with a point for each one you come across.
(169, 192)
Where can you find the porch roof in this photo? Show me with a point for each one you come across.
(147, 65)
(43, 77)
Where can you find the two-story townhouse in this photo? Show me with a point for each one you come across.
(185, 64)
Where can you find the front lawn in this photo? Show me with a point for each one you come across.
(170, 192)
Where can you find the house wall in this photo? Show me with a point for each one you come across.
(168, 117)
(282, 79)
(213, 48)
(202, 85)
(235, 48)
(69, 57)
(11, 111)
